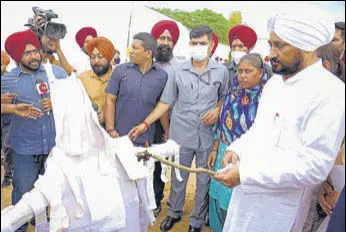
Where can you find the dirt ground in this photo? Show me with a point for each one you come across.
(182, 226)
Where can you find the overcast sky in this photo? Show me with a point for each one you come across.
(111, 19)
(256, 13)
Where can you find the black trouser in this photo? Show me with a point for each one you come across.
(159, 185)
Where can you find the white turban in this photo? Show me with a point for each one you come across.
(306, 29)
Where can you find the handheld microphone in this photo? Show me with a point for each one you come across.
(42, 88)
(96, 108)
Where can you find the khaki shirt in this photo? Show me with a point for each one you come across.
(96, 87)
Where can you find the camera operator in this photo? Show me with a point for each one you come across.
(50, 43)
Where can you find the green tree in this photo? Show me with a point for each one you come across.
(217, 22)
(235, 18)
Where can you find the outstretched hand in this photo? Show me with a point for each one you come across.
(27, 111)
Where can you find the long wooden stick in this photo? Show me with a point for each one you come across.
(175, 165)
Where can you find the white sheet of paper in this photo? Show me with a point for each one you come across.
(338, 177)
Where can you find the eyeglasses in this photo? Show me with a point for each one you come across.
(28, 53)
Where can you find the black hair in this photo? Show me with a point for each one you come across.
(254, 58)
(148, 41)
(341, 27)
(201, 30)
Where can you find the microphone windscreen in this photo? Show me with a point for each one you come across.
(95, 107)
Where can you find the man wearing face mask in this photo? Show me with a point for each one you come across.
(242, 39)
(101, 51)
(196, 89)
(116, 59)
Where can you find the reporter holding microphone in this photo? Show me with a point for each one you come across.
(31, 139)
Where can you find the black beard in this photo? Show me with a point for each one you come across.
(100, 70)
(28, 66)
(288, 69)
(164, 53)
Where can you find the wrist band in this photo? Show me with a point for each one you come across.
(146, 124)
(110, 130)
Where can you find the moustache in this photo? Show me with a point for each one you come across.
(34, 60)
(164, 46)
(275, 60)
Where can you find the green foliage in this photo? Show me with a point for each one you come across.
(217, 22)
(235, 18)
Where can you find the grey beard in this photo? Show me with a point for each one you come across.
(103, 70)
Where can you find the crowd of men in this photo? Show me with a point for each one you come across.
(291, 146)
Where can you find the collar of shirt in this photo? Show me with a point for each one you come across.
(153, 67)
(211, 65)
(105, 78)
(20, 70)
(309, 71)
(231, 65)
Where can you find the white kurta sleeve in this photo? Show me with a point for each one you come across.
(322, 132)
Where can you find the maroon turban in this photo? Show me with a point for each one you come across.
(245, 34)
(163, 25)
(83, 33)
(216, 42)
(16, 43)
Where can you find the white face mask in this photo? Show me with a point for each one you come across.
(199, 52)
(237, 55)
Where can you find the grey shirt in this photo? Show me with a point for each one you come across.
(193, 95)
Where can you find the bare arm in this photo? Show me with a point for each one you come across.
(212, 116)
(22, 110)
(7, 108)
(158, 112)
(165, 121)
(63, 61)
(109, 111)
(165, 124)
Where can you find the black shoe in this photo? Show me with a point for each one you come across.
(194, 229)
(157, 211)
(32, 221)
(207, 224)
(6, 182)
(168, 223)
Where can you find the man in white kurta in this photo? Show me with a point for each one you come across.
(297, 133)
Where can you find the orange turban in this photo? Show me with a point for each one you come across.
(163, 25)
(104, 45)
(5, 60)
(16, 43)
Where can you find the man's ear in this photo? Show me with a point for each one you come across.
(326, 64)
(149, 53)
